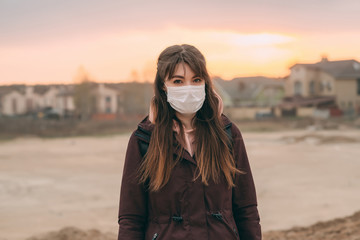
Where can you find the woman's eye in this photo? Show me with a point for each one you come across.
(177, 81)
(197, 80)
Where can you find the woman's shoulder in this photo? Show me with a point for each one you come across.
(139, 141)
(236, 133)
(146, 124)
(143, 130)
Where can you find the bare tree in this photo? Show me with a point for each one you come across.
(84, 95)
(149, 71)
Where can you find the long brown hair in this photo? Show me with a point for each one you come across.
(212, 153)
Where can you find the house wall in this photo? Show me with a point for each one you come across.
(8, 104)
(35, 99)
(65, 103)
(106, 99)
(69, 101)
(49, 98)
(298, 73)
(269, 96)
(247, 112)
(324, 84)
(305, 111)
(346, 94)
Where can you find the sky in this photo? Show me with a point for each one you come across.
(48, 41)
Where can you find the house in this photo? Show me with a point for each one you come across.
(12, 100)
(226, 98)
(65, 100)
(250, 97)
(46, 96)
(106, 99)
(22, 99)
(25, 99)
(253, 91)
(134, 97)
(324, 84)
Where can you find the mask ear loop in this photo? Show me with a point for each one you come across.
(165, 89)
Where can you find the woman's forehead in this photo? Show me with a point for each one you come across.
(183, 69)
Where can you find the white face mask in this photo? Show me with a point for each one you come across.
(186, 99)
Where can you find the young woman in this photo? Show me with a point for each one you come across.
(186, 172)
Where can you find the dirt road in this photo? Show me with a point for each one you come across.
(47, 184)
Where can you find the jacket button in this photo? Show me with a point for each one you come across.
(155, 236)
(177, 218)
(217, 216)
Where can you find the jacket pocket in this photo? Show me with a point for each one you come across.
(225, 220)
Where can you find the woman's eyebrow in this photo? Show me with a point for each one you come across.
(177, 76)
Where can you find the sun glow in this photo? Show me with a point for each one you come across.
(122, 56)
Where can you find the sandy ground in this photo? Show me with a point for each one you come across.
(302, 177)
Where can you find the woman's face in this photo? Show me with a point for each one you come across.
(183, 76)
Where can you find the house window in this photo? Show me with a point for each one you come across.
(108, 104)
(356, 66)
(322, 86)
(14, 105)
(312, 87)
(358, 86)
(328, 86)
(298, 88)
(241, 86)
(29, 104)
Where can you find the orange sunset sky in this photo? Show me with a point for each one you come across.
(47, 41)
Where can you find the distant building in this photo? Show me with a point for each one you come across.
(105, 100)
(226, 98)
(23, 99)
(65, 100)
(134, 97)
(253, 91)
(12, 100)
(324, 84)
(250, 97)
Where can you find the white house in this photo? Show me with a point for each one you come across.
(18, 100)
(22, 99)
(12, 102)
(106, 99)
(65, 99)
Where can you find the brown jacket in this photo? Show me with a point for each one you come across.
(183, 208)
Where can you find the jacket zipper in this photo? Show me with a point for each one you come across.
(155, 236)
(220, 217)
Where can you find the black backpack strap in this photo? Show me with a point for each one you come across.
(229, 135)
(143, 147)
(228, 131)
(143, 134)
(144, 140)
